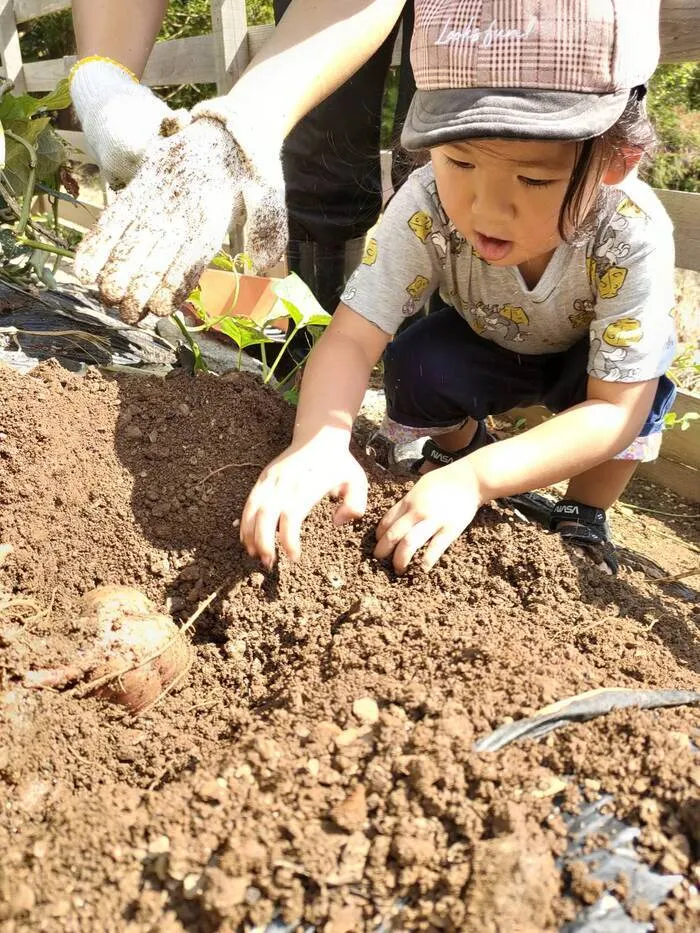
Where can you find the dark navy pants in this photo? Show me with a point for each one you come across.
(439, 371)
(331, 158)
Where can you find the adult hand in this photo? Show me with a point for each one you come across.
(287, 490)
(149, 248)
(120, 118)
(434, 513)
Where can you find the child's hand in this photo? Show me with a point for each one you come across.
(287, 490)
(435, 512)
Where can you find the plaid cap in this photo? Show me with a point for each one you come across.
(527, 69)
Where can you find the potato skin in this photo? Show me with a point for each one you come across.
(130, 631)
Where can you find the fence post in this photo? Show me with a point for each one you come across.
(9, 46)
(230, 28)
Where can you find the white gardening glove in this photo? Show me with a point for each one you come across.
(149, 248)
(120, 117)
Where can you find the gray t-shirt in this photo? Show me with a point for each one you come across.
(617, 286)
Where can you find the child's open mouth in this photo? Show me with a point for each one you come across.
(491, 248)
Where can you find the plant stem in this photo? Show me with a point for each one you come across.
(280, 354)
(289, 375)
(198, 361)
(56, 227)
(29, 190)
(47, 247)
(14, 206)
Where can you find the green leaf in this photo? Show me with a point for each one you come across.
(223, 261)
(58, 99)
(19, 107)
(38, 260)
(47, 146)
(23, 106)
(50, 151)
(243, 331)
(292, 396)
(195, 299)
(299, 302)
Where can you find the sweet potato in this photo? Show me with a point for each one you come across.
(138, 653)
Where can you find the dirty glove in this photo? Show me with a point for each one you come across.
(120, 117)
(150, 247)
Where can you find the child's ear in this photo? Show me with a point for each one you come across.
(621, 164)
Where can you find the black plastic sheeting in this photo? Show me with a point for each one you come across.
(620, 857)
(581, 708)
(607, 915)
(72, 327)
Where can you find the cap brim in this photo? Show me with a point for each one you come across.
(443, 116)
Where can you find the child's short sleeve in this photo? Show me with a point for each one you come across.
(631, 267)
(400, 269)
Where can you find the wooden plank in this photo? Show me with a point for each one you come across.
(44, 76)
(257, 37)
(684, 210)
(679, 27)
(678, 477)
(79, 146)
(682, 446)
(33, 9)
(180, 61)
(230, 29)
(9, 47)
(680, 30)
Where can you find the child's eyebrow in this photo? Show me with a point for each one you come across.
(553, 164)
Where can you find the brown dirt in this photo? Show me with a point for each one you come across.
(262, 780)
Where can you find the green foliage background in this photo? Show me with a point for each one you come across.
(674, 94)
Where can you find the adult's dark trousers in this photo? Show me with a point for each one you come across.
(332, 168)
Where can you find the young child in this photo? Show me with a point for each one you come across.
(555, 266)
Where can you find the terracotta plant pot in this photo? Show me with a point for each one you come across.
(255, 296)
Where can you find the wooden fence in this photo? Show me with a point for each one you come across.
(220, 58)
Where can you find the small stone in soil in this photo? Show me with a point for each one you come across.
(366, 710)
(351, 813)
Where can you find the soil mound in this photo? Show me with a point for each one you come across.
(318, 759)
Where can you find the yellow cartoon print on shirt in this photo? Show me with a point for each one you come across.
(623, 333)
(584, 313)
(605, 270)
(370, 254)
(415, 292)
(606, 278)
(608, 354)
(611, 281)
(421, 224)
(627, 208)
(506, 321)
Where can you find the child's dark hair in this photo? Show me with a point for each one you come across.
(631, 131)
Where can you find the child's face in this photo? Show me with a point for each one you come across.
(505, 195)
